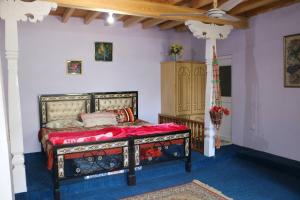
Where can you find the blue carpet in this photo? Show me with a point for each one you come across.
(234, 173)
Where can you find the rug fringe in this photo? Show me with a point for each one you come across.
(211, 188)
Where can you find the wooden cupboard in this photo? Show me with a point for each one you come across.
(183, 89)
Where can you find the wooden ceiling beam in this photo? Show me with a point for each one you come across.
(249, 5)
(169, 25)
(172, 2)
(67, 14)
(145, 9)
(91, 16)
(271, 7)
(132, 20)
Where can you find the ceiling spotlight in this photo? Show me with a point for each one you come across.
(110, 19)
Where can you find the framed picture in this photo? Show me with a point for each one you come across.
(103, 51)
(292, 61)
(74, 67)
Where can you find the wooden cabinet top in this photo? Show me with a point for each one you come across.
(184, 61)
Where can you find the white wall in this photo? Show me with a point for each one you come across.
(265, 115)
(45, 47)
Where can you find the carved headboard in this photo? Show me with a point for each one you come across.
(116, 100)
(69, 106)
(63, 106)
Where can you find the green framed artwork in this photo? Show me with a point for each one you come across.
(292, 60)
(103, 51)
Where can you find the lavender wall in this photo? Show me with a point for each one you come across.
(45, 47)
(265, 114)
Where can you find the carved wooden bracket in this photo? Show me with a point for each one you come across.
(208, 31)
(19, 10)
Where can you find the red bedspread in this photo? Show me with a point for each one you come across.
(57, 138)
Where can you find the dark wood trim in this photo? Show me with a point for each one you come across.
(131, 179)
(58, 95)
(122, 92)
(91, 99)
(56, 188)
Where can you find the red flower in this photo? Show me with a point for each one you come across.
(220, 109)
(226, 111)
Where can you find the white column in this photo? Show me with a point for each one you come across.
(6, 189)
(14, 107)
(209, 132)
(211, 33)
(13, 11)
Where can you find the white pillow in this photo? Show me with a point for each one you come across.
(98, 119)
(64, 123)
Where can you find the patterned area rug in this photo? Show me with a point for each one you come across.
(195, 190)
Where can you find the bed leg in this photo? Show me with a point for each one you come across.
(131, 180)
(188, 166)
(188, 162)
(56, 190)
(56, 193)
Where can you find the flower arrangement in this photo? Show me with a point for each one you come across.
(216, 115)
(220, 109)
(175, 50)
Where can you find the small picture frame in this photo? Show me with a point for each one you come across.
(74, 67)
(292, 61)
(103, 51)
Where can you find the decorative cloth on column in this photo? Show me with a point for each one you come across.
(217, 111)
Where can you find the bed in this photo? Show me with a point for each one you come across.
(75, 152)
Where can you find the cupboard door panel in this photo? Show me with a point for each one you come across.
(183, 88)
(198, 88)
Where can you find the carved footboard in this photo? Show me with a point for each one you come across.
(87, 159)
(123, 155)
(197, 129)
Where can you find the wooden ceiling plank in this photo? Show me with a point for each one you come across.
(181, 28)
(67, 14)
(91, 16)
(201, 3)
(249, 5)
(145, 9)
(173, 2)
(118, 17)
(132, 20)
(271, 7)
(152, 22)
(169, 25)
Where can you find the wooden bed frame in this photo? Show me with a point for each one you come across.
(96, 158)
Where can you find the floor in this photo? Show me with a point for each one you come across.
(230, 171)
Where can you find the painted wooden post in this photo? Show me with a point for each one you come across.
(13, 11)
(209, 131)
(6, 189)
(211, 33)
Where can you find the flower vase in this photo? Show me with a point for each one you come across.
(174, 57)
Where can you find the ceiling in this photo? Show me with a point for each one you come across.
(148, 12)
